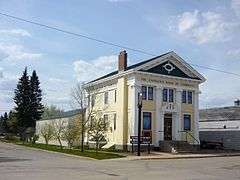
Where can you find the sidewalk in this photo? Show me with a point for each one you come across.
(161, 155)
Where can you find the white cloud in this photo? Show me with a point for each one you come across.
(234, 53)
(89, 70)
(235, 5)
(1, 73)
(57, 80)
(205, 27)
(14, 52)
(7, 86)
(16, 32)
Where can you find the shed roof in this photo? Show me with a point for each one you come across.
(231, 113)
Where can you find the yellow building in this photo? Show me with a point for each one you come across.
(170, 93)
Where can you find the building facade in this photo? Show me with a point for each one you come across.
(221, 125)
(170, 92)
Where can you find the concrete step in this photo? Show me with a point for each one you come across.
(176, 146)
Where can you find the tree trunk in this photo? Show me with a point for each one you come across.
(97, 146)
(83, 131)
(60, 142)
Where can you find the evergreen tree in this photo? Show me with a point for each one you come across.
(12, 122)
(1, 121)
(22, 100)
(5, 123)
(36, 98)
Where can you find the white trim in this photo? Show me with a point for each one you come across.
(134, 70)
(162, 59)
(170, 77)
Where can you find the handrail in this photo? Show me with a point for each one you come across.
(189, 133)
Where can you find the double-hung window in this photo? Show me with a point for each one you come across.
(106, 97)
(144, 92)
(187, 97)
(105, 119)
(184, 96)
(114, 121)
(150, 93)
(93, 97)
(147, 93)
(187, 122)
(168, 95)
(115, 95)
(147, 121)
(190, 97)
(165, 95)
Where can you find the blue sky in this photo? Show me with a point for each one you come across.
(202, 32)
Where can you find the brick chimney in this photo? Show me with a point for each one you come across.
(122, 61)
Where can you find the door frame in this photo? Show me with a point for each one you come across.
(168, 116)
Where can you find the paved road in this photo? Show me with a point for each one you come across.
(20, 163)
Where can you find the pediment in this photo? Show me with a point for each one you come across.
(171, 65)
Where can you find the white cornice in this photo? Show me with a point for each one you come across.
(136, 70)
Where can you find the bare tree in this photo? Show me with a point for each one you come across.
(59, 127)
(47, 131)
(71, 132)
(81, 100)
(98, 128)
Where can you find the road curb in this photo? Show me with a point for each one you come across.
(185, 157)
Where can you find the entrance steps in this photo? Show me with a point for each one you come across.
(177, 147)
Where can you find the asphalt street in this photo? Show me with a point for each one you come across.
(21, 163)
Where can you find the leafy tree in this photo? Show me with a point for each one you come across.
(23, 104)
(98, 128)
(36, 98)
(47, 132)
(51, 111)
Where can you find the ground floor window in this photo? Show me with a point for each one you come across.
(114, 121)
(187, 122)
(147, 121)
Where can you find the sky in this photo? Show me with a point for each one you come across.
(202, 32)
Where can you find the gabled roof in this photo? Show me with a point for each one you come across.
(139, 65)
(231, 113)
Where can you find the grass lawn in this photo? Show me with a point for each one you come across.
(87, 153)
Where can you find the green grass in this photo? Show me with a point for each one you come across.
(87, 153)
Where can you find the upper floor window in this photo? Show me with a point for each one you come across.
(168, 95)
(93, 97)
(150, 93)
(165, 95)
(147, 93)
(144, 92)
(190, 97)
(115, 95)
(184, 96)
(106, 97)
(187, 97)
(187, 122)
(147, 121)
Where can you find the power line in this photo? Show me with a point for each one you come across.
(105, 42)
(77, 34)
